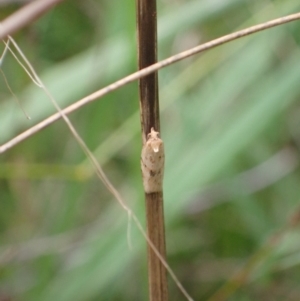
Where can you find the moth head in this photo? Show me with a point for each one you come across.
(154, 140)
(153, 134)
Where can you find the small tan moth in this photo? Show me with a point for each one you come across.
(152, 162)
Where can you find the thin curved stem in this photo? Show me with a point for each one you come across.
(25, 16)
(146, 71)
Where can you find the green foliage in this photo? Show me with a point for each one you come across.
(230, 125)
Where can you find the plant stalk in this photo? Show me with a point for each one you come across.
(149, 110)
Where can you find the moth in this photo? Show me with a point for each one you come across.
(152, 162)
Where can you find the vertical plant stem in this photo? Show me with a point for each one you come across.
(148, 86)
(158, 289)
(149, 108)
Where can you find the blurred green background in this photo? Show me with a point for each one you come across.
(231, 124)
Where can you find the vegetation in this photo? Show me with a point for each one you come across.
(230, 124)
